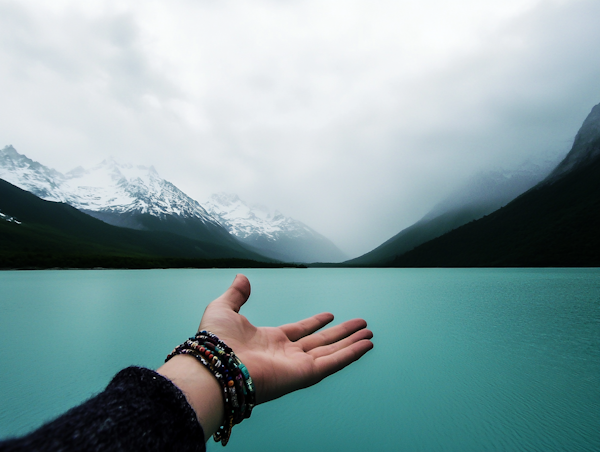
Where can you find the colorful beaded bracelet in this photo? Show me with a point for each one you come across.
(239, 396)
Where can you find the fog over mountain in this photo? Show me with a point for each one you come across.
(553, 224)
(493, 189)
(479, 196)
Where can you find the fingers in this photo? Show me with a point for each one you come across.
(331, 335)
(327, 365)
(330, 349)
(298, 330)
(237, 294)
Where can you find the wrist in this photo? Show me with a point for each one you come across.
(201, 389)
(239, 395)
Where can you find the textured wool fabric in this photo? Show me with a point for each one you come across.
(139, 410)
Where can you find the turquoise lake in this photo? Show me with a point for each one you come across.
(464, 359)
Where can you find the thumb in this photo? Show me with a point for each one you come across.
(237, 294)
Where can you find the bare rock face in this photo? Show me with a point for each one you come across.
(586, 146)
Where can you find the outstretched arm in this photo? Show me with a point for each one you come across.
(280, 359)
(139, 410)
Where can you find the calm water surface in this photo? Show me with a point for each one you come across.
(464, 360)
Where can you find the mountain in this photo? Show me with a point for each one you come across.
(586, 146)
(271, 234)
(137, 197)
(121, 195)
(39, 233)
(29, 175)
(554, 223)
(480, 196)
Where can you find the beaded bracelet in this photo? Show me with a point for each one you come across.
(239, 396)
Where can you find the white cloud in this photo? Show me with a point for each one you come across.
(352, 116)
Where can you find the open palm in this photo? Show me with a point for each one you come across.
(289, 357)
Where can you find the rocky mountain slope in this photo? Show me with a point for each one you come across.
(586, 147)
(40, 234)
(480, 196)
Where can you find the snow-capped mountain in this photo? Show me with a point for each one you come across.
(29, 175)
(247, 222)
(271, 233)
(120, 194)
(137, 197)
(107, 187)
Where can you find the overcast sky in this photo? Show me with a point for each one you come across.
(355, 117)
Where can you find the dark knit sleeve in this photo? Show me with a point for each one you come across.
(139, 410)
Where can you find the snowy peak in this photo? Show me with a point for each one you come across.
(109, 187)
(225, 199)
(30, 175)
(230, 206)
(134, 196)
(114, 187)
(270, 232)
(250, 222)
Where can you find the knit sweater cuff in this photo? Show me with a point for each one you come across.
(139, 410)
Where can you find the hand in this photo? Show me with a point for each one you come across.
(286, 358)
(280, 360)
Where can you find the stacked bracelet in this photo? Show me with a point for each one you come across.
(238, 390)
